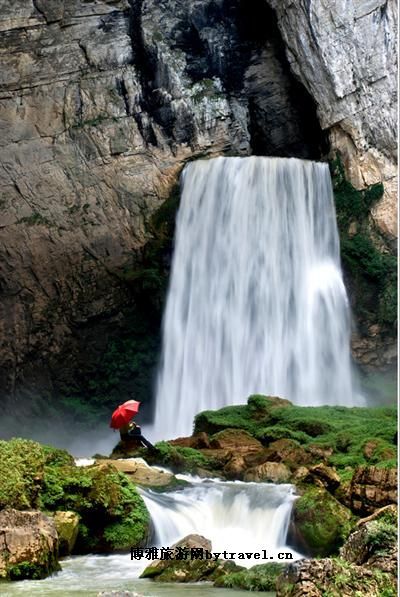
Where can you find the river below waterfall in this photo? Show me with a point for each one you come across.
(234, 516)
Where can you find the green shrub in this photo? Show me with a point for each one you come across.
(258, 578)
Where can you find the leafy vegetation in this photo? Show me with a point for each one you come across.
(112, 514)
(373, 272)
(257, 578)
(181, 459)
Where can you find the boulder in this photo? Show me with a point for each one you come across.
(320, 452)
(235, 440)
(67, 525)
(184, 570)
(276, 472)
(374, 541)
(197, 441)
(323, 475)
(371, 488)
(321, 524)
(141, 473)
(288, 451)
(28, 545)
(235, 467)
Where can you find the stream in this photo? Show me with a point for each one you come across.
(234, 516)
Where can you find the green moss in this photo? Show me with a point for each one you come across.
(182, 459)
(382, 535)
(21, 473)
(344, 430)
(32, 570)
(321, 522)
(258, 578)
(113, 515)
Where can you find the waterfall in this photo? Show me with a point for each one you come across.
(256, 302)
(235, 516)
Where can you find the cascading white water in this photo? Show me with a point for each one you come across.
(256, 302)
(235, 516)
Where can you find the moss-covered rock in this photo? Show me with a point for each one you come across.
(180, 459)
(258, 578)
(322, 524)
(67, 525)
(335, 435)
(113, 515)
(334, 578)
(22, 464)
(184, 568)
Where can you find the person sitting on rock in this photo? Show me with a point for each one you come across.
(133, 431)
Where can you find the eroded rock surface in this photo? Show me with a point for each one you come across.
(345, 55)
(28, 545)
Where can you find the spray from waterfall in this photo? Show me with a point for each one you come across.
(256, 302)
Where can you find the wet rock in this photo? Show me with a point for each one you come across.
(28, 545)
(275, 472)
(67, 525)
(189, 570)
(371, 488)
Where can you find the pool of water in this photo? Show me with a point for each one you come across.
(88, 575)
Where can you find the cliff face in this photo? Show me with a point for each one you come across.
(103, 101)
(345, 55)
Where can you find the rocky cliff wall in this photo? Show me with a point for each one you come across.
(101, 104)
(345, 54)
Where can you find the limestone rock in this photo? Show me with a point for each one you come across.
(235, 467)
(374, 541)
(235, 440)
(28, 545)
(67, 525)
(275, 472)
(197, 441)
(316, 578)
(141, 473)
(288, 451)
(372, 488)
(346, 58)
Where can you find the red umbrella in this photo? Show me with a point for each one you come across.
(124, 413)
